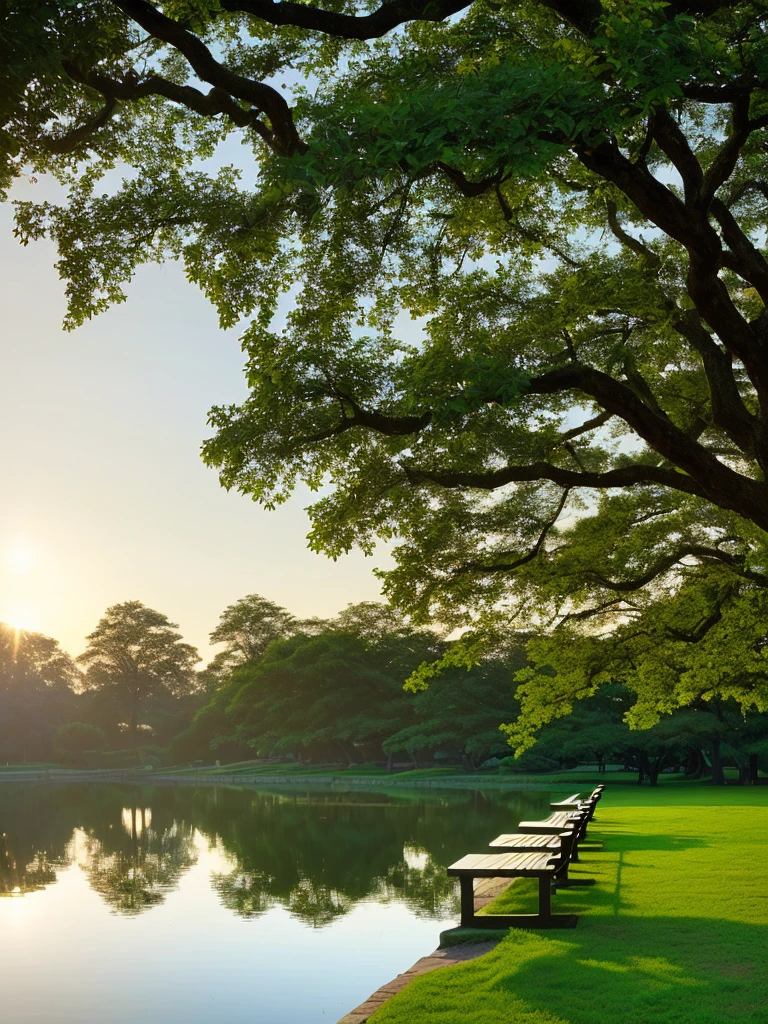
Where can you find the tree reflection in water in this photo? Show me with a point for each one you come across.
(34, 840)
(316, 854)
(134, 866)
(320, 854)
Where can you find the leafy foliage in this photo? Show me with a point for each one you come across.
(525, 248)
(136, 654)
(37, 693)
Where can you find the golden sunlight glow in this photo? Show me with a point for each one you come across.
(18, 617)
(20, 559)
(136, 820)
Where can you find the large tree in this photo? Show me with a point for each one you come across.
(568, 198)
(249, 626)
(138, 655)
(38, 681)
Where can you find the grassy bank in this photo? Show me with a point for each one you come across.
(248, 773)
(675, 932)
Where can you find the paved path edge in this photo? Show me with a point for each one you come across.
(440, 958)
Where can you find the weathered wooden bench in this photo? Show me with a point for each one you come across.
(574, 802)
(557, 822)
(564, 843)
(542, 864)
(570, 803)
(560, 821)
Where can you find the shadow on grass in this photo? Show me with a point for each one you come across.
(631, 841)
(655, 969)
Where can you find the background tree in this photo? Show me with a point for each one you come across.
(71, 741)
(136, 653)
(318, 696)
(247, 628)
(37, 693)
(459, 715)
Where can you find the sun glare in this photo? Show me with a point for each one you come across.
(19, 618)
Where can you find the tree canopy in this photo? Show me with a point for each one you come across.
(525, 247)
(37, 692)
(136, 653)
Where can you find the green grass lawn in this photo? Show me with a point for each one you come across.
(675, 931)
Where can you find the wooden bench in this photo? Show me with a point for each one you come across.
(565, 843)
(570, 803)
(542, 864)
(574, 802)
(560, 821)
(556, 823)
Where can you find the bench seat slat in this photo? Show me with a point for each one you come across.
(525, 840)
(504, 864)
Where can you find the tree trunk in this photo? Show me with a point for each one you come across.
(642, 767)
(389, 762)
(753, 770)
(701, 769)
(718, 778)
(343, 750)
(696, 766)
(654, 767)
(133, 723)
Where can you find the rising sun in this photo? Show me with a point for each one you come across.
(18, 618)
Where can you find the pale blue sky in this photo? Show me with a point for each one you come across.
(105, 498)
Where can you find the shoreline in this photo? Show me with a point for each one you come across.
(140, 777)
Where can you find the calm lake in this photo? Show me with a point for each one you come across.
(198, 905)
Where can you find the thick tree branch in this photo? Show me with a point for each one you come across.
(347, 26)
(381, 423)
(208, 69)
(689, 225)
(749, 262)
(586, 426)
(663, 565)
(216, 101)
(628, 240)
(77, 136)
(489, 480)
(721, 168)
(517, 563)
(583, 15)
(671, 140)
(720, 483)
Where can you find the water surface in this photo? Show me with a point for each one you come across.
(197, 905)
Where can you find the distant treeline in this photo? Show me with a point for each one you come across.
(325, 691)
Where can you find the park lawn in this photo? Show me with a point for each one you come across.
(675, 931)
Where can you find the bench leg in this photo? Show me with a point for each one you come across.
(467, 901)
(545, 896)
(544, 919)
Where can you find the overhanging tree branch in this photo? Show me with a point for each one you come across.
(489, 480)
(261, 96)
(485, 568)
(347, 26)
(216, 101)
